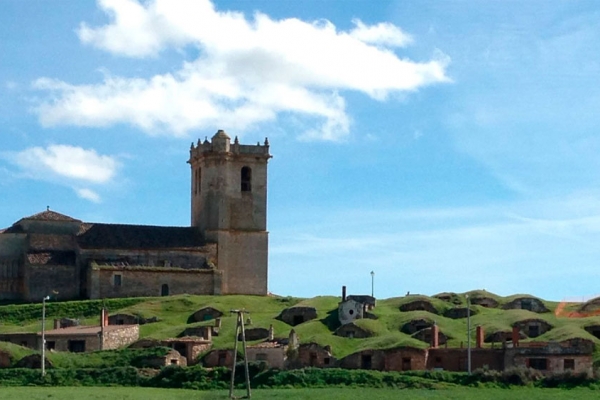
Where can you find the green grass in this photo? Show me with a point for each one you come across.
(117, 393)
(173, 313)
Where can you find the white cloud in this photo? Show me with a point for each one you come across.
(88, 194)
(64, 161)
(249, 70)
(383, 33)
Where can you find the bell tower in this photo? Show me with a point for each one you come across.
(229, 206)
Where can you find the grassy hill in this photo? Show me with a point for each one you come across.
(174, 312)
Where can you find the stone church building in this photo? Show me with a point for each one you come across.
(224, 251)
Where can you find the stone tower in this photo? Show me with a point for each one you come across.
(229, 206)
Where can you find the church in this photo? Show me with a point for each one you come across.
(224, 251)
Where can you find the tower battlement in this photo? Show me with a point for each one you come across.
(221, 143)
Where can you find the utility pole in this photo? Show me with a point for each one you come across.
(239, 329)
(44, 334)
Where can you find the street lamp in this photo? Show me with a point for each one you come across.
(468, 334)
(44, 334)
(372, 283)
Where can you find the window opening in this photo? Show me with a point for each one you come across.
(246, 179)
(538, 363)
(117, 280)
(164, 290)
(569, 363)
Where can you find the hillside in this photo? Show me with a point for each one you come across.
(388, 330)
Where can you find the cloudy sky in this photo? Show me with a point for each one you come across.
(446, 146)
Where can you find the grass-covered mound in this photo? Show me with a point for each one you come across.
(385, 332)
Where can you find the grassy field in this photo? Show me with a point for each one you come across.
(174, 312)
(105, 393)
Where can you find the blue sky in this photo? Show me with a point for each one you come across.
(446, 146)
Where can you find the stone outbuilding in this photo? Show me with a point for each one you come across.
(171, 358)
(314, 355)
(552, 357)
(130, 319)
(218, 358)
(533, 327)
(188, 347)
(416, 325)
(593, 330)
(350, 310)
(297, 315)
(526, 303)
(419, 304)
(205, 314)
(426, 335)
(204, 332)
(404, 358)
(484, 301)
(460, 312)
(449, 297)
(352, 331)
(274, 353)
(80, 338)
(503, 336)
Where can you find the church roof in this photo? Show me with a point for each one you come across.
(118, 236)
(49, 215)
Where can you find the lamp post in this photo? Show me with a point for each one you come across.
(372, 283)
(44, 334)
(468, 334)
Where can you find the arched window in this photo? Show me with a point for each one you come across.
(164, 290)
(246, 179)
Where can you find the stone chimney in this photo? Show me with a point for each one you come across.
(343, 293)
(271, 333)
(56, 323)
(435, 336)
(103, 317)
(479, 337)
(515, 336)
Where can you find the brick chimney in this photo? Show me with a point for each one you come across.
(515, 336)
(56, 323)
(435, 336)
(479, 337)
(343, 293)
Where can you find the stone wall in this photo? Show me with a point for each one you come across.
(62, 342)
(243, 260)
(12, 245)
(274, 356)
(44, 280)
(118, 338)
(40, 241)
(456, 359)
(405, 359)
(29, 340)
(11, 279)
(218, 358)
(138, 282)
(366, 359)
(186, 259)
(315, 355)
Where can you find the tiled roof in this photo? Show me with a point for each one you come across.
(117, 236)
(49, 215)
(52, 258)
(266, 345)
